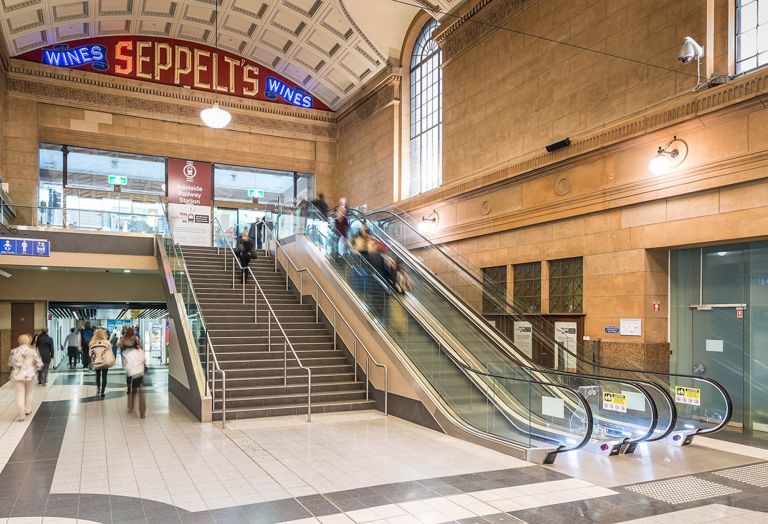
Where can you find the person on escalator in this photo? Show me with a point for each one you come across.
(244, 252)
(321, 205)
(360, 240)
(341, 227)
(376, 260)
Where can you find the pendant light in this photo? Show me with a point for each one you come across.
(215, 116)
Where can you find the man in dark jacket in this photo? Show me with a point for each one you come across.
(86, 334)
(45, 348)
(256, 232)
(321, 205)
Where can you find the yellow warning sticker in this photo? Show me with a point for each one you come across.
(615, 402)
(690, 396)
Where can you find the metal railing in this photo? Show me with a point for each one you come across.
(256, 290)
(336, 314)
(211, 365)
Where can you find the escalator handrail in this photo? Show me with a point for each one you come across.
(717, 385)
(582, 399)
(648, 436)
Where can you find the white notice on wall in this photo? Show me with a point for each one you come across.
(631, 327)
(523, 337)
(715, 346)
(565, 334)
(191, 225)
(635, 400)
(553, 407)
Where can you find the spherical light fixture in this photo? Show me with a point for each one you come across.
(215, 116)
(660, 164)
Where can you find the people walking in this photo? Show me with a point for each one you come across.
(72, 346)
(45, 348)
(244, 252)
(102, 358)
(256, 231)
(24, 363)
(85, 339)
(128, 342)
(134, 364)
(321, 205)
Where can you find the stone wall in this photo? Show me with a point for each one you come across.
(86, 109)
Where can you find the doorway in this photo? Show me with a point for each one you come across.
(719, 323)
(22, 320)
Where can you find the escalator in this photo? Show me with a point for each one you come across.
(479, 385)
(688, 405)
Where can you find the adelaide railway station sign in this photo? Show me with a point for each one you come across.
(178, 63)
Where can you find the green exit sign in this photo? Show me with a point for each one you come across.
(255, 193)
(116, 180)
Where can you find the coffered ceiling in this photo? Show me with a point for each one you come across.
(330, 47)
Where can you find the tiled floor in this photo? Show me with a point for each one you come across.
(82, 459)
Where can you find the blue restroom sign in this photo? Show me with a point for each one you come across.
(30, 247)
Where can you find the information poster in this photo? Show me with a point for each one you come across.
(523, 337)
(189, 201)
(690, 396)
(615, 402)
(565, 334)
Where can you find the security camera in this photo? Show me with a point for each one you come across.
(690, 50)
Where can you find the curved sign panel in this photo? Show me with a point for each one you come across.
(178, 63)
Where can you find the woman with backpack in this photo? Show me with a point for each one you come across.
(134, 364)
(102, 358)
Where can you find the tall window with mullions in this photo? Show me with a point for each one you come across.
(426, 112)
(751, 34)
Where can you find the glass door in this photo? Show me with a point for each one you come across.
(718, 351)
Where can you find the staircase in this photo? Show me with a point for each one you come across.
(255, 374)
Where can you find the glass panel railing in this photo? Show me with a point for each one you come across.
(511, 406)
(701, 405)
(88, 219)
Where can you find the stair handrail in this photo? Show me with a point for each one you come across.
(210, 351)
(286, 341)
(336, 314)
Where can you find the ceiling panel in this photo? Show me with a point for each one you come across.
(316, 43)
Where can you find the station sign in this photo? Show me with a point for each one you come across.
(29, 247)
(117, 180)
(177, 63)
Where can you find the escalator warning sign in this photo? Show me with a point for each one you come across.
(690, 396)
(615, 402)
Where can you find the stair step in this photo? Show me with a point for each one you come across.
(295, 409)
(290, 398)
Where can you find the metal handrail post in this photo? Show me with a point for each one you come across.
(285, 362)
(269, 332)
(255, 305)
(233, 274)
(243, 287)
(334, 328)
(355, 359)
(223, 398)
(386, 391)
(301, 291)
(309, 395)
(367, 382)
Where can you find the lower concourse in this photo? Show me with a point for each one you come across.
(84, 459)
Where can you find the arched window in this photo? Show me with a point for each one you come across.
(426, 112)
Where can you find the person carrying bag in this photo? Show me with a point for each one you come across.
(134, 362)
(102, 358)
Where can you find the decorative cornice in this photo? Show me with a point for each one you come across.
(137, 98)
(23, 67)
(478, 23)
(665, 114)
(378, 99)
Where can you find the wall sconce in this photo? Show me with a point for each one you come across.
(669, 156)
(429, 222)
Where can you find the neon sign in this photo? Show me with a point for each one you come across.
(292, 95)
(62, 56)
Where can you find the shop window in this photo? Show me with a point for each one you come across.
(94, 169)
(494, 289)
(426, 112)
(266, 186)
(527, 287)
(751, 34)
(566, 285)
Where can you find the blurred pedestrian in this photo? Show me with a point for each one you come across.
(72, 346)
(102, 358)
(85, 339)
(24, 363)
(45, 348)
